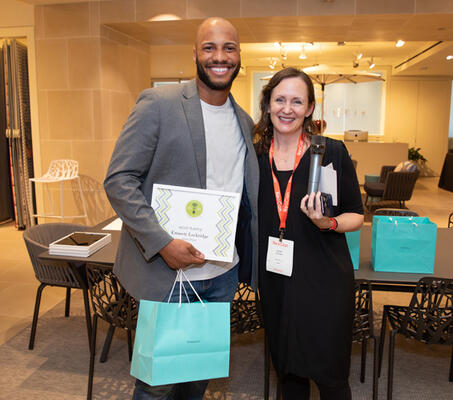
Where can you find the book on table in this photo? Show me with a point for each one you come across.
(79, 244)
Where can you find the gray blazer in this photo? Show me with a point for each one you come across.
(163, 141)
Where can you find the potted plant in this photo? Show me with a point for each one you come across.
(415, 155)
(418, 158)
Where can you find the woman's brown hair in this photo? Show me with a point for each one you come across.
(264, 130)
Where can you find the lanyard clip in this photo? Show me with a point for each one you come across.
(282, 232)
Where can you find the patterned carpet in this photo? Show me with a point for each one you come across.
(58, 366)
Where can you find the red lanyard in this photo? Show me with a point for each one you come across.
(282, 207)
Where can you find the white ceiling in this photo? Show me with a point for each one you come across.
(373, 35)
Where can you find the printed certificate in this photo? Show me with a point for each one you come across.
(205, 218)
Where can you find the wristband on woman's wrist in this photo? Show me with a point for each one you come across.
(333, 225)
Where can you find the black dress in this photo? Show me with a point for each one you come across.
(308, 316)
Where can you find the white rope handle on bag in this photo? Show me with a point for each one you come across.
(179, 275)
(396, 221)
(185, 277)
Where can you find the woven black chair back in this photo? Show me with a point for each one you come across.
(429, 317)
(245, 312)
(363, 311)
(109, 300)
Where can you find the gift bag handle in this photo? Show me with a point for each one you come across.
(179, 275)
(410, 219)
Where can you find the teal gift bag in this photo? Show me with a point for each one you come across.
(353, 240)
(181, 342)
(403, 244)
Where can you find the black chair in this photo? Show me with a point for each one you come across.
(450, 220)
(428, 319)
(395, 212)
(110, 302)
(392, 187)
(53, 273)
(362, 331)
(245, 311)
(363, 328)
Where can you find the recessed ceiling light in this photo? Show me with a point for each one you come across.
(165, 17)
(450, 57)
(400, 43)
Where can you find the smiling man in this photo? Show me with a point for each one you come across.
(193, 135)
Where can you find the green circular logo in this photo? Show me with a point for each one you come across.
(194, 208)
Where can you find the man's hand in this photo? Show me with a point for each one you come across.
(179, 254)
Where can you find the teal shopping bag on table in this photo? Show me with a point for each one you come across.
(353, 241)
(403, 244)
(181, 342)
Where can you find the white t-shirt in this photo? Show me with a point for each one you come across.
(225, 158)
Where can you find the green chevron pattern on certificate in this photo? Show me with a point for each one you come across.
(205, 218)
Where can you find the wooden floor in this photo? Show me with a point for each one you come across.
(18, 284)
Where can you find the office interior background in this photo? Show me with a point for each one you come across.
(89, 60)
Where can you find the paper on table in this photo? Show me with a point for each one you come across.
(115, 225)
(328, 182)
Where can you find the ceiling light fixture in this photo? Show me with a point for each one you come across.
(450, 57)
(165, 17)
(359, 56)
(283, 54)
(400, 43)
(371, 63)
(272, 63)
(302, 55)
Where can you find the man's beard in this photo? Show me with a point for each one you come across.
(212, 85)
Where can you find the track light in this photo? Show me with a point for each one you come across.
(272, 63)
(283, 54)
(302, 55)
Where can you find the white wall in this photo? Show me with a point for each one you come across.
(16, 13)
(418, 112)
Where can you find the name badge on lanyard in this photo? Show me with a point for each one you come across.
(280, 251)
(280, 256)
